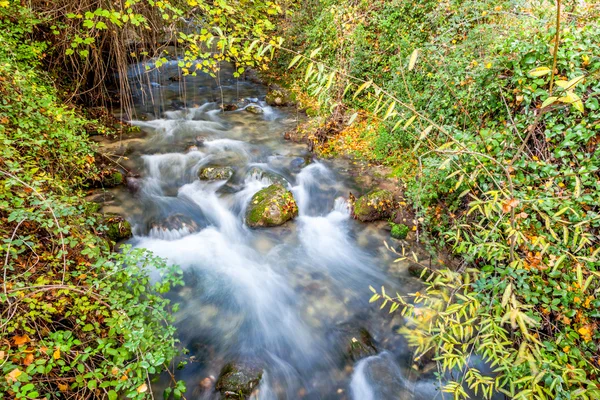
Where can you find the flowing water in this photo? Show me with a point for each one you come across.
(279, 296)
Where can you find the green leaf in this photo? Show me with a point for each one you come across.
(549, 100)
(410, 121)
(295, 60)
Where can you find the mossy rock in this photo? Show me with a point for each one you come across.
(215, 173)
(278, 97)
(375, 205)
(399, 231)
(237, 380)
(118, 228)
(255, 109)
(271, 206)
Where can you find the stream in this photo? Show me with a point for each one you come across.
(291, 298)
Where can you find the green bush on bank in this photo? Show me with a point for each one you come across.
(510, 181)
(76, 320)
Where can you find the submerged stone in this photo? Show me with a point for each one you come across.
(237, 380)
(215, 173)
(375, 205)
(271, 206)
(354, 342)
(271, 176)
(176, 222)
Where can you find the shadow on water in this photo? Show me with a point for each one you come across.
(272, 295)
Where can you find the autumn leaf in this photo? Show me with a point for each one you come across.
(509, 205)
(20, 340)
(13, 375)
(56, 354)
(143, 388)
(28, 359)
(63, 387)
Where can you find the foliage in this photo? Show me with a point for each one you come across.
(93, 39)
(399, 231)
(508, 160)
(75, 319)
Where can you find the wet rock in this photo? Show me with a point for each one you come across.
(176, 222)
(271, 206)
(375, 205)
(134, 184)
(271, 176)
(300, 162)
(177, 104)
(237, 380)
(255, 109)
(279, 97)
(101, 197)
(200, 140)
(118, 228)
(354, 342)
(215, 173)
(229, 107)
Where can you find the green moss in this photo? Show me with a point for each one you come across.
(118, 228)
(375, 205)
(271, 206)
(215, 173)
(399, 231)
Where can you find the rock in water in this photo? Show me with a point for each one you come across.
(254, 109)
(271, 206)
(215, 173)
(373, 206)
(354, 342)
(238, 379)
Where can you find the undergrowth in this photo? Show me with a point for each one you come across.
(76, 319)
(499, 122)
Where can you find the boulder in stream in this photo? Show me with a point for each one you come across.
(271, 176)
(271, 206)
(373, 206)
(254, 109)
(237, 380)
(215, 173)
(175, 222)
(354, 342)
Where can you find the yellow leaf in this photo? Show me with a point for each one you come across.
(13, 375)
(143, 388)
(4, 4)
(413, 59)
(539, 71)
(56, 354)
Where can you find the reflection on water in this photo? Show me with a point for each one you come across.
(272, 295)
